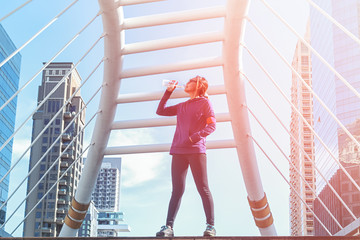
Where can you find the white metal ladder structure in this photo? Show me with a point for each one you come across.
(115, 50)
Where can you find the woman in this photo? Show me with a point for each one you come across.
(195, 121)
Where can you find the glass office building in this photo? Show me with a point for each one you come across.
(9, 82)
(342, 53)
(325, 87)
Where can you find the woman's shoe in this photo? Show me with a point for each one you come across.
(165, 231)
(210, 231)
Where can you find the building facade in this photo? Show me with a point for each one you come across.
(48, 163)
(106, 198)
(342, 53)
(301, 144)
(107, 189)
(89, 226)
(9, 83)
(331, 202)
(111, 224)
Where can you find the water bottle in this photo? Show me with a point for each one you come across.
(167, 83)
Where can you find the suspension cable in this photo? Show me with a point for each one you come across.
(49, 94)
(82, 109)
(299, 114)
(323, 104)
(298, 144)
(57, 139)
(327, 64)
(45, 195)
(50, 121)
(15, 10)
(40, 31)
(297, 171)
(301, 199)
(46, 64)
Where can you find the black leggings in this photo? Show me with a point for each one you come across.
(179, 167)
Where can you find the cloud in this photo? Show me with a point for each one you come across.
(138, 168)
(141, 168)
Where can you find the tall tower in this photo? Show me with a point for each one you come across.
(47, 219)
(343, 54)
(9, 82)
(301, 218)
(106, 194)
(106, 198)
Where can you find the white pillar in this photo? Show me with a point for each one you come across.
(113, 41)
(232, 53)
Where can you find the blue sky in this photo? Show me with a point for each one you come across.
(146, 184)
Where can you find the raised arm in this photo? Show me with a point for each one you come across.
(162, 109)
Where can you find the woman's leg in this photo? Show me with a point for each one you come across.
(198, 169)
(179, 167)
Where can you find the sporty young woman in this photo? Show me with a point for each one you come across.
(195, 121)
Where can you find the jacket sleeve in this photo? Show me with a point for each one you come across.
(162, 110)
(210, 124)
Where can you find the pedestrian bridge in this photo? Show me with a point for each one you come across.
(235, 61)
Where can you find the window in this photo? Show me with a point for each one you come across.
(43, 149)
(50, 214)
(42, 168)
(53, 105)
(57, 121)
(37, 225)
(356, 197)
(38, 215)
(51, 196)
(49, 105)
(40, 195)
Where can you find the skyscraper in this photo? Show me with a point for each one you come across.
(302, 144)
(106, 198)
(9, 82)
(107, 189)
(342, 53)
(47, 218)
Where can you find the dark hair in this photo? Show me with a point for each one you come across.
(201, 86)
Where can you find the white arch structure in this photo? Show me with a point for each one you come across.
(234, 16)
(115, 48)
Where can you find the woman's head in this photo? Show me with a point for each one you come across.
(197, 86)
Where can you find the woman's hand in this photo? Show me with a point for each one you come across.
(172, 85)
